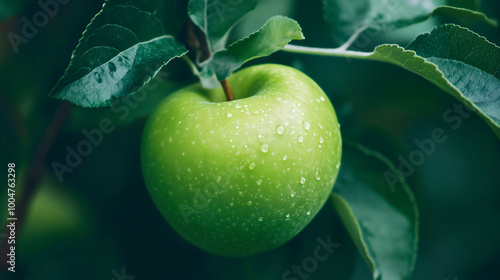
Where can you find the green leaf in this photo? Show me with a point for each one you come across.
(379, 211)
(216, 17)
(271, 37)
(458, 61)
(123, 47)
(346, 18)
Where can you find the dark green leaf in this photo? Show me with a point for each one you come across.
(121, 50)
(451, 42)
(458, 61)
(379, 211)
(216, 17)
(345, 18)
(271, 37)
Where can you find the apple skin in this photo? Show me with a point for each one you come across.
(243, 177)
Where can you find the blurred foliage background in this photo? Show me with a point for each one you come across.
(100, 219)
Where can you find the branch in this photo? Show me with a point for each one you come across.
(34, 172)
(338, 52)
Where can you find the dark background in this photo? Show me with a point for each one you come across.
(100, 218)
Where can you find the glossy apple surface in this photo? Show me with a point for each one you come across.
(243, 177)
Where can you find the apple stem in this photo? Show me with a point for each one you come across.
(227, 90)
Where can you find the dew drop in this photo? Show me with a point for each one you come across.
(97, 77)
(285, 157)
(264, 148)
(288, 215)
(307, 125)
(308, 213)
(251, 166)
(317, 175)
(259, 182)
(280, 129)
(302, 180)
(322, 98)
(249, 203)
(293, 110)
(300, 138)
(321, 139)
(260, 219)
(229, 115)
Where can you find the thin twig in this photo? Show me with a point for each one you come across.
(353, 38)
(327, 52)
(34, 173)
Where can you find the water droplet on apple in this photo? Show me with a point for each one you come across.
(280, 129)
(260, 219)
(251, 166)
(300, 138)
(298, 105)
(293, 110)
(321, 139)
(322, 98)
(264, 148)
(307, 125)
(259, 182)
(249, 203)
(317, 175)
(229, 115)
(292, 195)
(302, 180)
(308, 213)
(285, 157)
(288, 215)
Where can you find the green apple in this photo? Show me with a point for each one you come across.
(243, 177)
